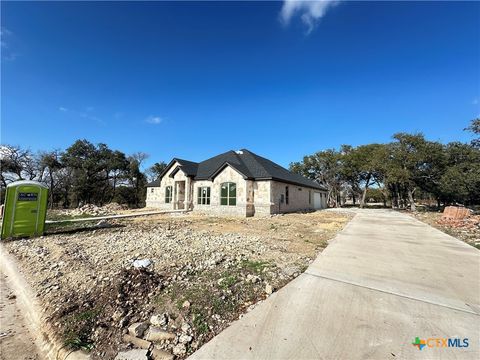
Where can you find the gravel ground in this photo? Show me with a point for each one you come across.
(200, 273)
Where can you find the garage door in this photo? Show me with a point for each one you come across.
(317, 200)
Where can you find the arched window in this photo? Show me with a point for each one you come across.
(228, 194)
(168, 195)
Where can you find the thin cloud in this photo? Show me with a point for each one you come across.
(154, 120)
(83, 114)
(4, 33)
(310, 11)
(6, 40)
(475, 101)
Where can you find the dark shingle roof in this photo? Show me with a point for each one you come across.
(188, 167)
(250, 165)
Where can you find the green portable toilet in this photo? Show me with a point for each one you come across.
(25, 209)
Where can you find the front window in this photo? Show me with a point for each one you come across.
(286, 195)
(203, 197)
(228, 194)
(168, 195)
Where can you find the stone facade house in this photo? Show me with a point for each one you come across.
(234, 183)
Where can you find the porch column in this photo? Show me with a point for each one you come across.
(174, 195)
(187, 194)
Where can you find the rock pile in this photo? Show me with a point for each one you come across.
(94, 210)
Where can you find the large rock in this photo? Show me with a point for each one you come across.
(137, 329)
(135, 354)
(157, 334)
(140, 343)
(180, 349)
(268, 289)
(158, 354)
(159, 320)
(184, 339)
(141, 263)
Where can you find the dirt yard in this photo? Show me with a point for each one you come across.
(180, 278)
(15, 340)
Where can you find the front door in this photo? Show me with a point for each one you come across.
(180, 195)
(317, 200)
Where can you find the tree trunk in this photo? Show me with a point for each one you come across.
(353, 196)
(51, 190)
(364, 195)
(395, 199)
(411, 200)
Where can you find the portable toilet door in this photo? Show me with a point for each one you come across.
(25, 209)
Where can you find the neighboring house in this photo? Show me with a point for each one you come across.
(234, 183)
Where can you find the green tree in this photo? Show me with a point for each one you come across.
(154, 171)
(50, 164)
(325, 168)
(460, 182)
(475, 129)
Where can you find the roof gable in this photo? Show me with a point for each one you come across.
(249, 165)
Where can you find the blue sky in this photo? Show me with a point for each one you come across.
(195, 79)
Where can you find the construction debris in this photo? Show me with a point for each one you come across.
(456, 212)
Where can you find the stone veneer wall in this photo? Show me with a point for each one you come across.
(156, 198)
(300, 198)
(263, 204)
(227, 175)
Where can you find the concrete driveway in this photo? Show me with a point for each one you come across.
(383, 281)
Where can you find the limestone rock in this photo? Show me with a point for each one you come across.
(158, 354)
(184, 339)
(135, 354)
(159, 320)
(268, 289)
(142, 344)
(137, 329)
(179, 349)
(157, 334)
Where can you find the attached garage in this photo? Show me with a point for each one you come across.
(317, 200)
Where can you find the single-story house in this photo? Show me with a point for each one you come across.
(234, 183)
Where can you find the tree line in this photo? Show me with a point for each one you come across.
(397, 173)
(408, 168)
(83, 173)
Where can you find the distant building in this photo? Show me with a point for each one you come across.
(234, 183)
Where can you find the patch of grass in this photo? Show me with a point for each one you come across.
(78, 328)
(199, 321)
(255, 266)
(77, 343)
(228, 281)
